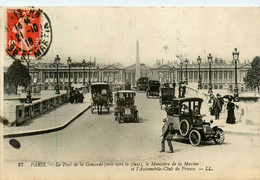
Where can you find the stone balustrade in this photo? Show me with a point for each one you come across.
(38, 107)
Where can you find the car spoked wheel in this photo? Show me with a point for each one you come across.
(184, 127)
(195, 137)
(219, 136)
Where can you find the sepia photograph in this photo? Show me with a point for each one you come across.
(130, 92)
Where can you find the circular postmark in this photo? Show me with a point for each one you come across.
(29, 34)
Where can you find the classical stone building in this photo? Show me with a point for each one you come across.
(223, 74)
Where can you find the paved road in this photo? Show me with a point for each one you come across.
(96, 138)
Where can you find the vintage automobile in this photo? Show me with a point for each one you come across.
(125, 110)
(101, 96)
(142, 84)
(166, 96)
(153, 89)
(184, 114)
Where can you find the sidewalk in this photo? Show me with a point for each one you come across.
(239, 128)
(52, 121)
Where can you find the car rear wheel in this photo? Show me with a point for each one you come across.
(195, 137)
(219, 136)
(184, 127)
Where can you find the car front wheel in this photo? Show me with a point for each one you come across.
(195, 137)
(219, 136)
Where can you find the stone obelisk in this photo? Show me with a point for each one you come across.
(137, 70)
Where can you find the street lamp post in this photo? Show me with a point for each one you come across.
(186, 78)
(84, 64)
(199, 82)
(28, 89)
(235, 57)
(69, 63)
(89, 64)
(181, 64)
(97, 73)
(180, 82)
(210, 83)
(57, 61)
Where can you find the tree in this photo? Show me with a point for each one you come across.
(17, 75)
(252, 78)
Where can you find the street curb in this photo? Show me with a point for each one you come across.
(242, 133)
(44, 131)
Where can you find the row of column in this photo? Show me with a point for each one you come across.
(217, 76)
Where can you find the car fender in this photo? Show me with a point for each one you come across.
(216, 127)
(198, 128)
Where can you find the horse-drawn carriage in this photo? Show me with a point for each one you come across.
(101, 96)
(166, 97)
(153, 89)
(186, 120)
(125, 109)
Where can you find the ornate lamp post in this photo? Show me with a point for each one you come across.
(186, 78)
(98, 73)
(199, 82)
(28, 90)
(210, 83)
(69, 63)
(57, 61)
(84, 64)
(181, 64)
(180, 82)
(89, 64)
(235, 58)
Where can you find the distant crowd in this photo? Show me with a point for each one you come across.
(76, 96)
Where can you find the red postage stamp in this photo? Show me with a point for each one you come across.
(29, 34)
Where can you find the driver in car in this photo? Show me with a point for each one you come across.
(196, 115)
(184, 109)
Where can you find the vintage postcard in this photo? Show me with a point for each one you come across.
(130, 92)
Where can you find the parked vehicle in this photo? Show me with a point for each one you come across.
(153, 89)
(184, 114)
(142, 84)
(101, 96)
(166, 97)
(125, 110)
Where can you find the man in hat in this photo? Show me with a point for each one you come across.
(217, 106)
(166, 134)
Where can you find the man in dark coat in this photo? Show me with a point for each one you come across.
(72, 95)
(183, 90)
(173, 86)
(217, 104)
(166, 134)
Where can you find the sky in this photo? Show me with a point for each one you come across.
(110, 33)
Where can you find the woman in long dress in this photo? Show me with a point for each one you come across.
(231, 116)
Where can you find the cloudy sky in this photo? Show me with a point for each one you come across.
(110, 33)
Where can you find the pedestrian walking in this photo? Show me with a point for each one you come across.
(210, 105)
(231, 119)
(217, 106)
(167, 136)
(183, 90)
(76, 95)
(72, 95)
(180, 91)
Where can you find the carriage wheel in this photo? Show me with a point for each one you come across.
(195, 137)
(219, 136)
(137, 118)
(119, 117)
(184, 127)
(92, 109)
